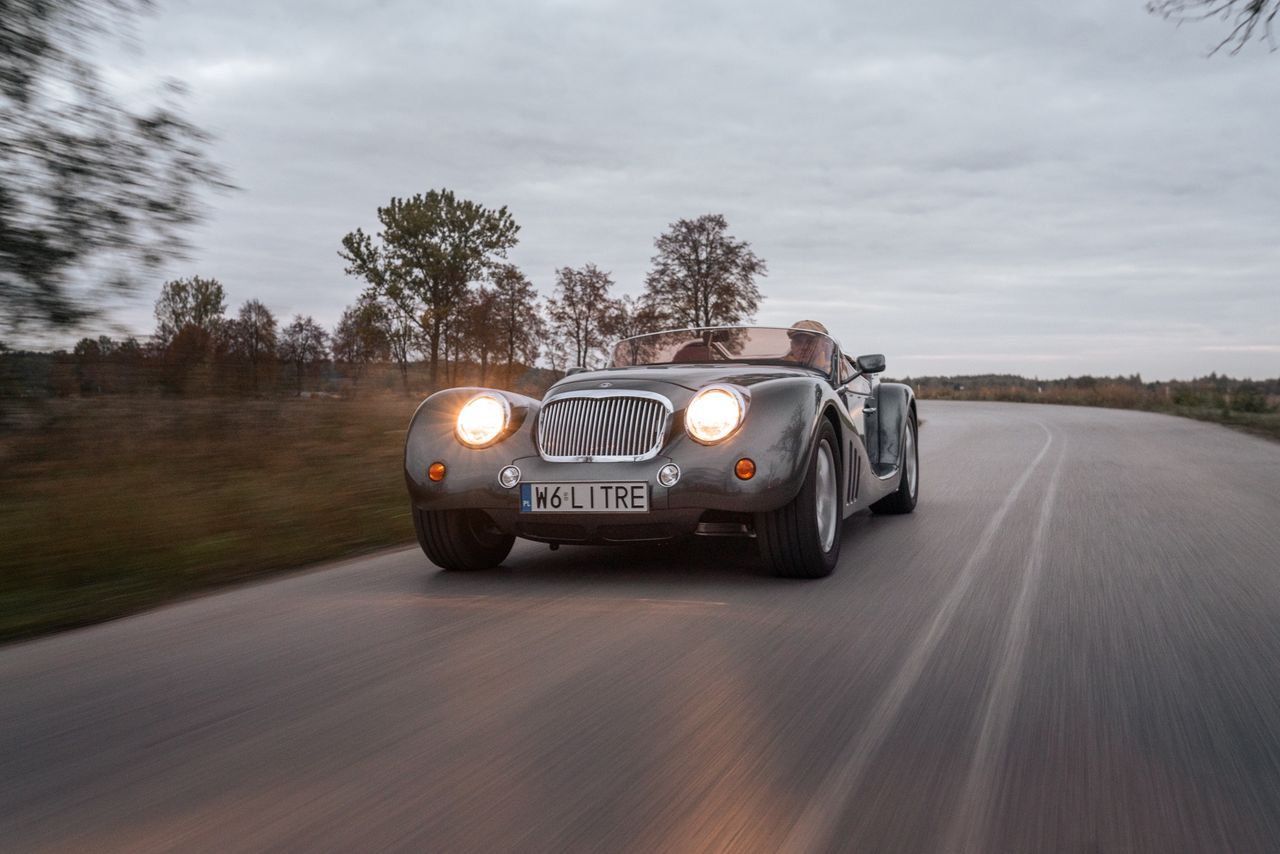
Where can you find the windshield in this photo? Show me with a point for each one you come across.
(756, 345)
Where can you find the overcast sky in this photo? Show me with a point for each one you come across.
(1045, 188)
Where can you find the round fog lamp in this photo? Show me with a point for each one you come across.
(509, 476)
(669, 474)
(435, 472)
(745, 469)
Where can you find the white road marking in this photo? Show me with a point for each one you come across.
(972, 813)
(813, 829)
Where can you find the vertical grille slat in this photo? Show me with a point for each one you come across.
(626, 422)
(614, 426)
(577, 435)
(620, 425)
(613, 441)
(577, 427)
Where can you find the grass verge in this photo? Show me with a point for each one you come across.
(114, 504)
(1265, 424)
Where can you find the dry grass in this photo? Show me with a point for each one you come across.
(114, 504)
(1113, 396)
(1265, 424)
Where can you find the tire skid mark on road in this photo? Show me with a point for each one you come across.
(813, 829)
(972, 813)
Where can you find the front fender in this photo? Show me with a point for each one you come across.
(895, 404)
(470, 471)
(778, 434)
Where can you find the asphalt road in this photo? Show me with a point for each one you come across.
(1072, 645)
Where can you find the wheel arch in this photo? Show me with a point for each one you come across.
(829, 412)
(896, 404)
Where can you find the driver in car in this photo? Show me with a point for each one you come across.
(809, 344)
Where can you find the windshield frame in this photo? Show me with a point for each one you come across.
(694, 331)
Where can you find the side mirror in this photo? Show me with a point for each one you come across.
(871, 364)
(576, 369)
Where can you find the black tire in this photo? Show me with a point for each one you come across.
(903, 499)
(790, 537)
(461, 540)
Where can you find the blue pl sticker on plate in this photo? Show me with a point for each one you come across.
(526, 497)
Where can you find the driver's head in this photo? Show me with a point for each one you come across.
(808, 342)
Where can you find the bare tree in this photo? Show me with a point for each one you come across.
(361, 335)
(253, 337)
(580, 310)
(632, 317)
(455, 343)
(518, 321)
(304, 343)
(404, 338)
(703, 276)
(1244, 16)
(556, 351)
(189, 302)
(635, 317)
(478, 331)
(190, 331)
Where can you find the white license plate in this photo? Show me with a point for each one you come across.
(584, 497)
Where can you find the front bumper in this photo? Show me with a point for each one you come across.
(471, 482)
(655, 525)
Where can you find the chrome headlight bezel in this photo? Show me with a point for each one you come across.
(739, 396)
(487, 439)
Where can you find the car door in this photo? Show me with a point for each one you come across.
(855, 390)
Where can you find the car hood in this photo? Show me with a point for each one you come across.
(691, 377)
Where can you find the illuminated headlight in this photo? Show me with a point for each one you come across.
(482, 420)
(714, 413)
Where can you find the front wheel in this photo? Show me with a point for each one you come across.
(802, 538)
(903, 499)
(461, 540)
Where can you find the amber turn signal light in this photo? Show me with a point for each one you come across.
(745, 469)
(435, 471)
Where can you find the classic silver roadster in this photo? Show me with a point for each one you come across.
(743, 431)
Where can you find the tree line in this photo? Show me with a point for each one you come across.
(437, 268)
(1212, 392)
(436, 287)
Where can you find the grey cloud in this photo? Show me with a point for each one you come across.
(1066, 187)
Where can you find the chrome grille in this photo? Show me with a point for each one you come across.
(585, 426)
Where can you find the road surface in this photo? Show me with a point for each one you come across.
(1073, 645)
